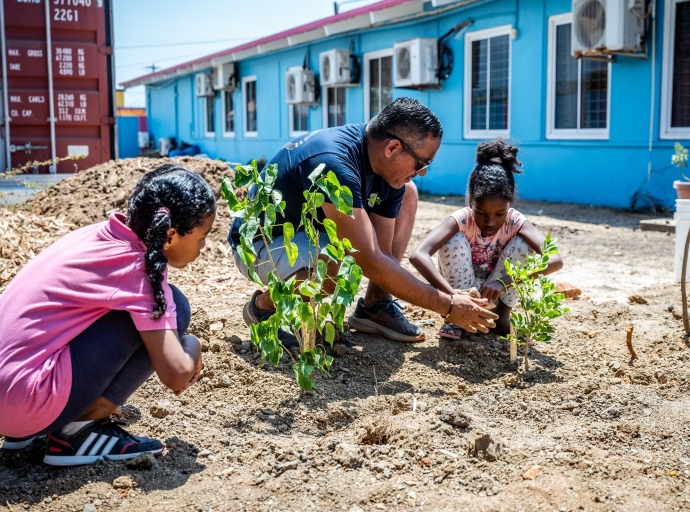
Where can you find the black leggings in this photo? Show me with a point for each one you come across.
(109, 359)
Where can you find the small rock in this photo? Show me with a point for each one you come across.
(143, 461)
(487, 447)
(570, 291)
(216, 346)
(204, 453)
(224, 382)
(90, 508)
(455, 418)
(162, 409)
(124, 482)
(348, 455)
(531, 473)
(285, 466)
(412, 495)
(615, 365)
(246, 345)
(637, 299)
(511, 380)
(355, 508)
(340, 350)
(205, 345)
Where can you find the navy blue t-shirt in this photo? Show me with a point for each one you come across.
(344, 151)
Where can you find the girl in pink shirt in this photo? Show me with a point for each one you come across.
(474, 242)
(88, 320)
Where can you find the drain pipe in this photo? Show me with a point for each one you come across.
(653, 99)
(51, 99)
(5, 92)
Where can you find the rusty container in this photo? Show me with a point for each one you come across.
(57, 83)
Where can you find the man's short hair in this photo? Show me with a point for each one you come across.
(408, 119)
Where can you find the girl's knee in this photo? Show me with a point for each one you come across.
(183, 309)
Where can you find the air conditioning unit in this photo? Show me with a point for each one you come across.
(225, 77)
(334, 67)
(604, 27)
(204, 85)
(416, 62)
(300, 86)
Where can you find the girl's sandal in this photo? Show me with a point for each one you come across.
(450, 331)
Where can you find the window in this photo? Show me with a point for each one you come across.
(249, 102)
(487, 83)
(378, 82)
(298, 117)
(675, 97)
(209, 116)
(228, 114)
(577, 89)
(334, 106)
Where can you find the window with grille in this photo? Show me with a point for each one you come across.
(250, 109)
(675, 96)
(228, 114)
(334, 106)
(378, 82)
(298, 119)
(487, 83)
(578, 89)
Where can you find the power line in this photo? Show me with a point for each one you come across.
(186, 43)
(197, 54)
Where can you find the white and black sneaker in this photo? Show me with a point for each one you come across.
(16, 443)
(95, 441)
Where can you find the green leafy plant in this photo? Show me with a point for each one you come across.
(303, 307)
(680, 158)
(538, 302)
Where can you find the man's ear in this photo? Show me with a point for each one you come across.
(171, 233)
(390, 147)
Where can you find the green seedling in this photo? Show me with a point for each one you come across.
(302, 307)
(538, 301)
(680, 158)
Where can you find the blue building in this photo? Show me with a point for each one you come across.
(596, 130)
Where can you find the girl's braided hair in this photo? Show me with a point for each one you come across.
(168, 197)
(493, 176)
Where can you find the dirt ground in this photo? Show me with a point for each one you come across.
(436, 426)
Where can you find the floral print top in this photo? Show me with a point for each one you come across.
(486, 250)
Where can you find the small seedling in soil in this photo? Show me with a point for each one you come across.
(303, 307)
(538, 301)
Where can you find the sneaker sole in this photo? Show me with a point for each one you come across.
(371, 327)
(74, 460)
(17, 445)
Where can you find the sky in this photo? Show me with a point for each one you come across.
(165, 33)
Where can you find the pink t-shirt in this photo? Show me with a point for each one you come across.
(486, 250)
(57, 295)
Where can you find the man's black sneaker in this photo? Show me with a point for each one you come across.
(16, 443)
(253, 315)
(386, 319)
(95, 441)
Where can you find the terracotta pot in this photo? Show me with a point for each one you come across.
(682, 188)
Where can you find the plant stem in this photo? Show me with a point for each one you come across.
(526, 352)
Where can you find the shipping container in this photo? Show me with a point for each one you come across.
(57, 83)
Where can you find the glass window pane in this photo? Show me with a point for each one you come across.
(229, 112)
(374, 87)
(478, 74)
(386, 81)
(566, 80)
(341, 105)
(300, 118)
(593, 94)
(500, 64)
(251, 106)
(209, 114)
(335, 102)
(680, 110)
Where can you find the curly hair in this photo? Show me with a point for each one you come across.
(493, 176)
(170, 196)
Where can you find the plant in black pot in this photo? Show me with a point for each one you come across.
(680, 160)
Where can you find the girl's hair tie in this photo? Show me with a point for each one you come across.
(497, 159)
(164, 210)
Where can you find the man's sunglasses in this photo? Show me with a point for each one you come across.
(421, 164)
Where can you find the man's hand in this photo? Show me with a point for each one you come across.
(469, 313)
(492, 290)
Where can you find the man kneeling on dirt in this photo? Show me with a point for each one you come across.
(377, 161)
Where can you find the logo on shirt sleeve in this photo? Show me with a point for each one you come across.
(373, 200)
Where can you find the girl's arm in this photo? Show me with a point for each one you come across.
(421, 257)
(177, 361)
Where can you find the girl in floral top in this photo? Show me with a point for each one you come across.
(474, 242)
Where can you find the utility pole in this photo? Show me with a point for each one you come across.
(152, 67)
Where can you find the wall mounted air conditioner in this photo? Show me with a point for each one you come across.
(204, 85)
(334, 67)
(416, 62)
(604, 27)
(300, 86)
(225, 77)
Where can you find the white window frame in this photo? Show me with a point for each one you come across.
(228, 134)
(245, 81)
(470, 37)
(665, 130)
(205, 100)
(368, 57)
(570, 133)
(324, 103)
(291, 118)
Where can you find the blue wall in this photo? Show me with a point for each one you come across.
(600, 172)
(127, 136)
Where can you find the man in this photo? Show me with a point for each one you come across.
(377, 161)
